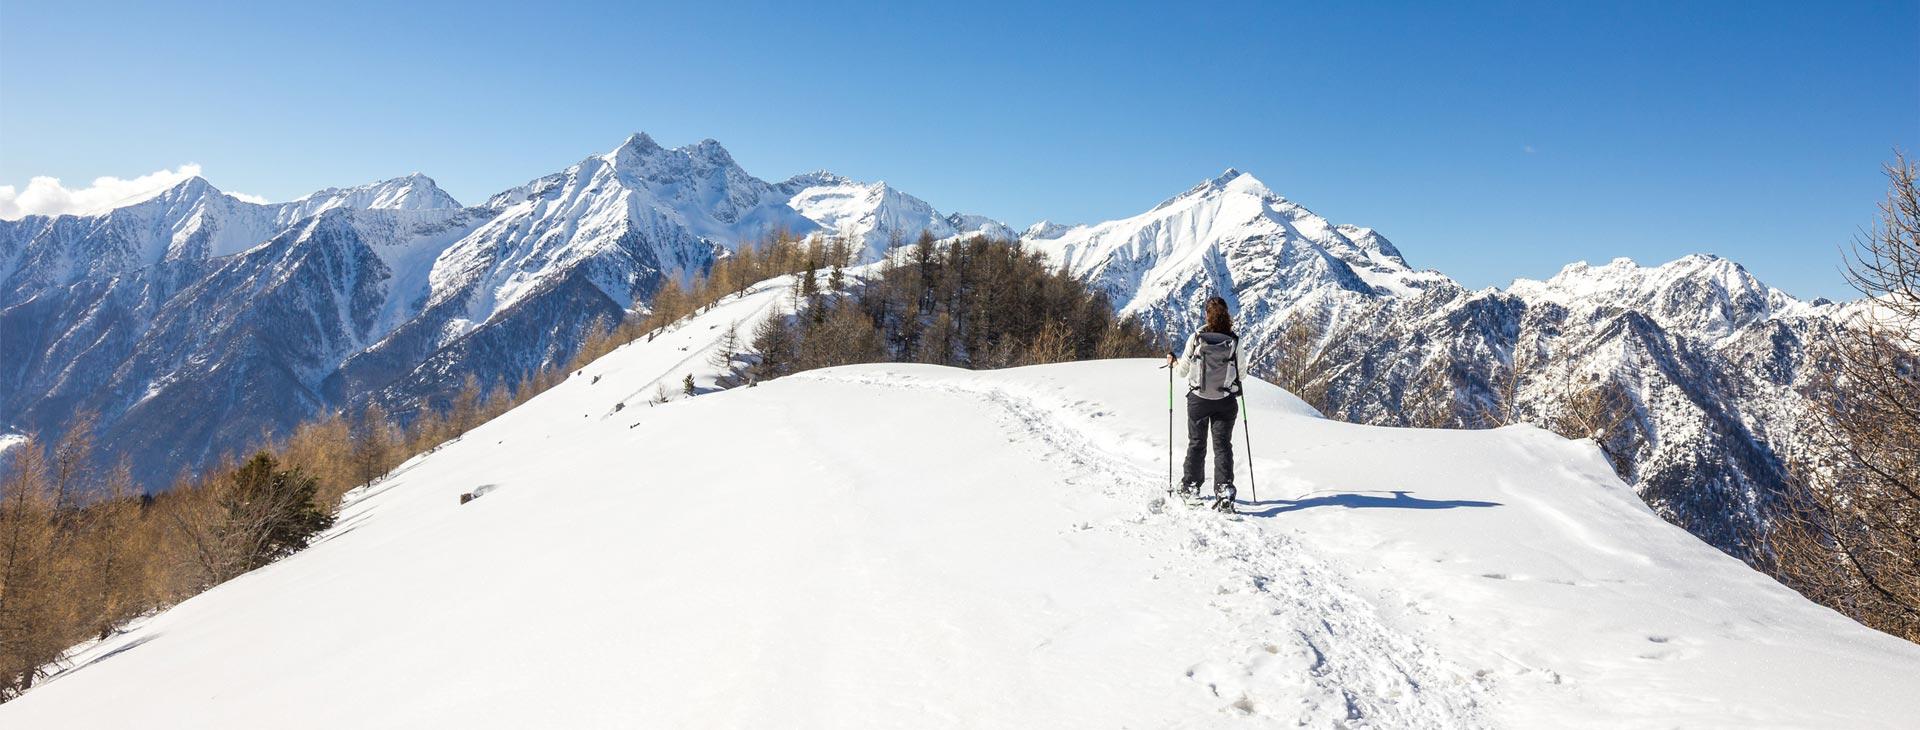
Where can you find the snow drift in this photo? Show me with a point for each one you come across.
(914, 546)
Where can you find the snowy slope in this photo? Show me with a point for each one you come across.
(900, 545)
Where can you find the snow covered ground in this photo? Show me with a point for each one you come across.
(914, 546)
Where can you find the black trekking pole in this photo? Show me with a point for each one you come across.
(1246, 430)
(1169, 369)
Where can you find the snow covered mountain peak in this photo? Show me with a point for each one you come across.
(642, 212)
(1047, 229)
(1623, 279)
(712, 152)
(192, 188)
(642, 157)
(1235, 193)
(1701, 294)
(409, 192)
(970, 224)
(1233, 181)
(190, 191)
(414, 191)
(877, 215)
(1624, 268)
(812, 179)
(192, 221)
(1234, 237)
(638, 144)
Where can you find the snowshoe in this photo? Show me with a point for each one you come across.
(1189, 494)
(1223, 498)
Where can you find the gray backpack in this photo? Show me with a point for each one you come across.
(1215, 372)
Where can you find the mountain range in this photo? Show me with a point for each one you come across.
(194, 323)
(1707, 359)
(801, 554)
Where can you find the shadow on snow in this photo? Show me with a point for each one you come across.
(1361, 500)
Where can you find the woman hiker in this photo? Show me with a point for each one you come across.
(1210, 363)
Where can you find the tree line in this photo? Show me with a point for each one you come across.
(777, 254)
(976, 303)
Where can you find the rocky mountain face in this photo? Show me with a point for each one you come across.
(1713, 403)
(193, 322)
(1268, 257)
(1706, 359)
(878, 216)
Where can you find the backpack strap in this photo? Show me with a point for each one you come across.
(1194, 343)
(1234, 357)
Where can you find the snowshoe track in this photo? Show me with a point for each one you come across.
(1303, 649)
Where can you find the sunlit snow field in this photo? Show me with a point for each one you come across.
(915, 546)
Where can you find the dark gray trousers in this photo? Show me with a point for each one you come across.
(1215, 417)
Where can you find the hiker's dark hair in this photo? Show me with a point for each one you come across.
(1217, 318)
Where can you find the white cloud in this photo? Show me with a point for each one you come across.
(46, 196)
(1528, 149)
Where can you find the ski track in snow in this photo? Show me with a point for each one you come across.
(1304, 648)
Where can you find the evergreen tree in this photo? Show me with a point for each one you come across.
(809, 286)
(773, 345)
(270, 512)
(726, 356)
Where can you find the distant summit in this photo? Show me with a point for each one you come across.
(393, 292)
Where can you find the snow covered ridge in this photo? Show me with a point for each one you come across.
(393, 291)
(624, 567)
(1703, 295)
(1710, 358)
(191, 221)
(390, 290)
(1231, 236)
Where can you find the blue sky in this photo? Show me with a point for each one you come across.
(1487, 140)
